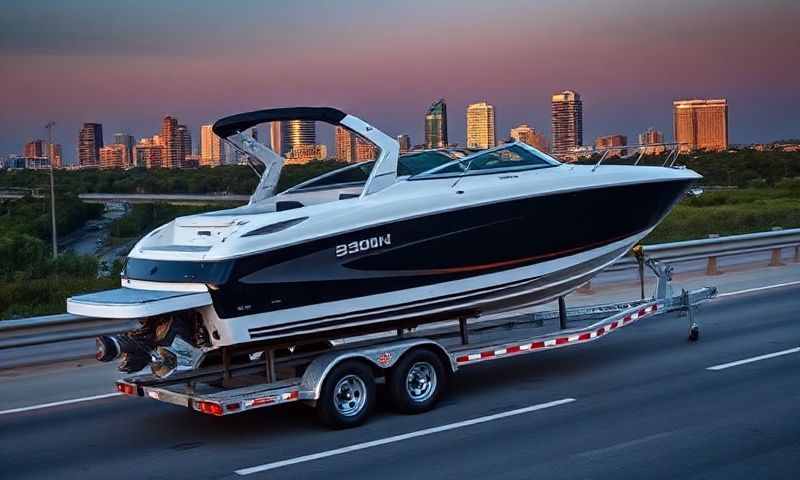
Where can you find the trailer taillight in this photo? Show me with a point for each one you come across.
(126, 389)
(210, 408)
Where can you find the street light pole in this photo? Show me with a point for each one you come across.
(50, 154)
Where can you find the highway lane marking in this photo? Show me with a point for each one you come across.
(400, 438)
(56, 404)
(758, 289)
(754, 359)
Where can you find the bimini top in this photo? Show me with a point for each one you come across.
(225, 127)
(232, 129)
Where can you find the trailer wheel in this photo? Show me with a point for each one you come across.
(417, 381)
(347, 396)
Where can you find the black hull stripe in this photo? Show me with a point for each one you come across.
(430, 303)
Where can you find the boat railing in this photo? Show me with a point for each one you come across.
(672, 150)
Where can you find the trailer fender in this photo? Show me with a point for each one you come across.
(382, 356)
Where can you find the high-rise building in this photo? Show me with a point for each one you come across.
(150, 152)
(527, 134)
(275, 137)
(700, 124)
(436, 125)
(34, 148)
(296, 133)
(345, 145)
(567, 126)
(405, 143)
(212, 151)
(54, 154)
(365, 150)
(127, 140)
(185, 145)
(172, 145)
(306, 153)
(611, 142)
(651, 136)
(114, 156)
(481, 126)
(90, 141)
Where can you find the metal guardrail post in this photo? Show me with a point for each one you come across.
(562, 313)
(775, 258)
(797, 254)
(711, 267)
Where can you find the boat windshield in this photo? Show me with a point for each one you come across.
(349, 176)
(506, 158)
(418, 162)
(357, 175)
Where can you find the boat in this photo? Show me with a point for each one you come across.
(375, 246)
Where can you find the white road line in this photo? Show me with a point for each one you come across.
(56, 404)
(754, 359)
(758, 289)
(399, 438)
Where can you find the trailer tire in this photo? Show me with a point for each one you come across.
(417, 381)
(347, 397)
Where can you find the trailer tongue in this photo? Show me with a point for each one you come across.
(340, 380)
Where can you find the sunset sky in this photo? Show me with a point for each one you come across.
(126, 64)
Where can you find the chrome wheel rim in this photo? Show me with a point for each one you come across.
(421, 381)
(350, 395)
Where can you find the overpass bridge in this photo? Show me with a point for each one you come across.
(175, 199)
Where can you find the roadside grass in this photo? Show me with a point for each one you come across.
(27, 297)
(730, 213)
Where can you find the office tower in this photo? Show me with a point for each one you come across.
(34, 148)
(527, 134)
(113, 156)
(609, 142)
(405, 143)
(436, 125)
(54, 154)
(567, 123)
(481, 126)
(90, 141)
(150, 152)
(700, 124)
(275, 137)
(127, 140)
(365, 150)
(172, 145)
(212, 151)
(652, 136)
(345, 145)
(296, 133)
(184, 145)
(306, 153)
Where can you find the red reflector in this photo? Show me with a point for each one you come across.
(487, 354)
(537, 345)
(513, 349)
(585, 336)
(462, 358)
(232, 407)
(126, 389)
(562, 340)
(210, 408)
(293, 395)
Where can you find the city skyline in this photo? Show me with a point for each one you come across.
(73, 67)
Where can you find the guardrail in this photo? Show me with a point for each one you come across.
(58, 328)
(715, 247)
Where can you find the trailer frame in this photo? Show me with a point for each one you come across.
(229, 389)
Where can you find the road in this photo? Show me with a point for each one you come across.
(645, 405)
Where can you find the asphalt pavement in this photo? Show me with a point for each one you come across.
(641, 403)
